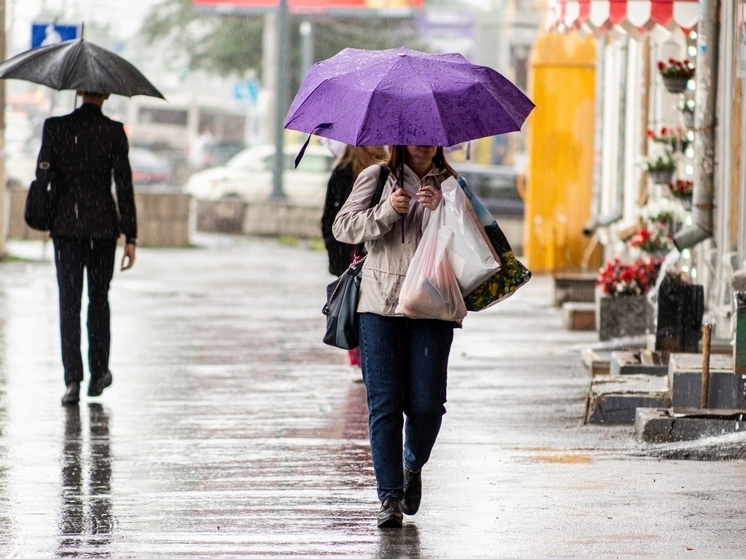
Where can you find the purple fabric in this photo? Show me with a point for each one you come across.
(405, 97)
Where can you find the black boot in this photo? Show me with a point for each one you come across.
(72, 394)
(390, 515)
(412, 491)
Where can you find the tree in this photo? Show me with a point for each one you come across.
(232, 44)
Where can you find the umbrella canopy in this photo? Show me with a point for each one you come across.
(405, 97)
(78, 65)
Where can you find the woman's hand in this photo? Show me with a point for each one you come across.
(399, 200)
(429, 197)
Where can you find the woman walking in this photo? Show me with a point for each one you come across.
(404, 360)
(346, 170)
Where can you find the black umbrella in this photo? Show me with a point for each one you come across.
(81, 66)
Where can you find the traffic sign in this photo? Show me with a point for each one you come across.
(51, 32)
(247, 91)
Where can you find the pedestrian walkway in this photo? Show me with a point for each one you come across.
(231, 431)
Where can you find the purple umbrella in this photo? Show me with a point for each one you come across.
(405, 97)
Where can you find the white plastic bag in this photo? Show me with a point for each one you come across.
(430, 288)
(473, 260)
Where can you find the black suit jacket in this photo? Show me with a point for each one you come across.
(79, 154)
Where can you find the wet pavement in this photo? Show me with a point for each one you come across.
(231, 431)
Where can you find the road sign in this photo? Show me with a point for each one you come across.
(247, 91)
(50, 32)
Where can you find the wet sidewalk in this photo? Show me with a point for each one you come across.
(231, 431)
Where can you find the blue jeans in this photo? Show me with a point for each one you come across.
(405, 369)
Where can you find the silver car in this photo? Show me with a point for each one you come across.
(249, 175)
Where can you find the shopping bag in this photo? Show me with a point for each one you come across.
(473, 260)
(430, 288)
(512, 274)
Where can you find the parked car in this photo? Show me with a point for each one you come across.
(148, 168)
(249, 175)
(497, 187)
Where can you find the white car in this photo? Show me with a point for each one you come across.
(249, 175)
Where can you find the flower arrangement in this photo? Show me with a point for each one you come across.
(653, 240)
(663, 211)
(676, 68)
(617, 278)
(662, 163)
(681, 188)
(674, 138)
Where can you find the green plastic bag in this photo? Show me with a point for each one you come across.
(512, 275)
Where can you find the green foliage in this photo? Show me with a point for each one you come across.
(232, 45)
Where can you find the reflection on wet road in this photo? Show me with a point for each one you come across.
(231, 431)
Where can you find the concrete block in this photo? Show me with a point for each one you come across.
(641, 362)
(224, 216)
(614, 401)
(596, 363)
(623, 316)
(663, 426)
(726, 390)
(579, 316)
(574, 287)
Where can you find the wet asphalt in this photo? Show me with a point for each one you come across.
(231, 431)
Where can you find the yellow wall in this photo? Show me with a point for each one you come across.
(560, 149)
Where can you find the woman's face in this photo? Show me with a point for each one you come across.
(421, 152)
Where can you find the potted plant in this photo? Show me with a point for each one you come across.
(652, 240)
(673, 138)
(676, 74)
(661, 168)
(682, 190)
(623, 308)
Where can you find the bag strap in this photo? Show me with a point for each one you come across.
(382, 178)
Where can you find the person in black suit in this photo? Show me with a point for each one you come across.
(80, 152)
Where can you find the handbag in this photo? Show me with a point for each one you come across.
(512, 274)
(41, 203)
(343, 294)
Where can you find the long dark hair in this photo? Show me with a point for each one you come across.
(396, 160)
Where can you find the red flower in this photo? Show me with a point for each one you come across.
(635, 278)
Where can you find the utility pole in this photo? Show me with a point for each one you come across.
(3, 196)
(281, 81)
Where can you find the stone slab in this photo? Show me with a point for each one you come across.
(614, 401)
(663, 425)
(642, 362)
(574, 287)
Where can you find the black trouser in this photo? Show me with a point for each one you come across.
(96, 256)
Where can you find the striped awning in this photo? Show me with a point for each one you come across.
(632, 16)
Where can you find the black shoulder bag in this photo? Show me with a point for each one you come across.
(40, 206)
(344, 292)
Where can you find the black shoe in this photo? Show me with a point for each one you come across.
(96, 386)
(390, 515)
(72, 394)
(412, 491)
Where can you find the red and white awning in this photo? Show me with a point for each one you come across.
(634, 16)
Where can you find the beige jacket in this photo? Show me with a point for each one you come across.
(379, 228)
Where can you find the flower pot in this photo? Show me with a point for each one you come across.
(675, 84)
(623, 316)
(663, 176)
